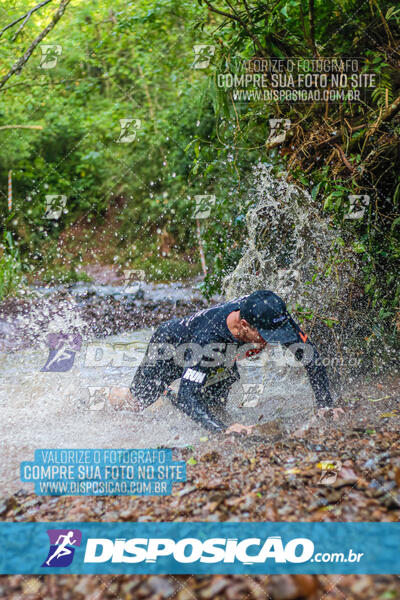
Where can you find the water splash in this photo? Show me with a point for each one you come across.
(296, 252)
(290, 249)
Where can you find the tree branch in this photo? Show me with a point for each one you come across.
(385, 25)
(248, 11)
(312, 28)
(344, 158)
(392, 110)
(26, 16)
(389, 113)
(235, 17)
(24, 59)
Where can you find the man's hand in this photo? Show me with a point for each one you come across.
(122, 399)
(238, 428)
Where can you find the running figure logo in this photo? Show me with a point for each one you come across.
(62, 350)
(62, 542)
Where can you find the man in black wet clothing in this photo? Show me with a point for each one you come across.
(202, 349)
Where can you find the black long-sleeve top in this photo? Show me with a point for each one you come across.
(211, 351)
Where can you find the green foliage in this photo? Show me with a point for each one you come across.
(11, 275)
(369, 145)
(124, 60)
(117, 62)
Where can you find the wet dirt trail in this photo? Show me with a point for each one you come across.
(273, 475)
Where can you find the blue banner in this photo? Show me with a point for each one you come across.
(200, 548)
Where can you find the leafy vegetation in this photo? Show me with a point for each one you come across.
(333, 150)
(10, 266)
(191, 137)
(119, 62)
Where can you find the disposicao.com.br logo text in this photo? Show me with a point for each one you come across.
(211, 550)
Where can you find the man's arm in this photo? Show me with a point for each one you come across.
(305, 352)
(191, 402)
(318, 377)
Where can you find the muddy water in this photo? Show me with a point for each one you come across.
(72, 409)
